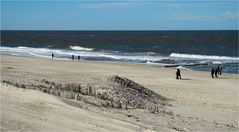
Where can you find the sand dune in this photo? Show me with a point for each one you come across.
(30, 110)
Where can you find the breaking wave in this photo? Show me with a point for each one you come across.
(206, 57)
(148, 58)
(86, 54)
(81, 48)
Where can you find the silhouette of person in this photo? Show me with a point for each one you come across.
(72, 57)
(216, 72)
(79, 57)
(212, 72)
(220, 70)
(178, 74)
(52, 55)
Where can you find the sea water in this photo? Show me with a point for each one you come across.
(198, 50)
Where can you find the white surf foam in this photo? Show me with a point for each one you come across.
(61, 53)
(27, 51)
(216, 62)
(81, 48)
(112, 56)
(151, 53)
(206, 57)
(22, 47)
(160, 64)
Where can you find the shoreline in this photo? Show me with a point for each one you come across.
(111, 62)
(197, 102)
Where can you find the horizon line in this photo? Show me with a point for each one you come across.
(120, 30)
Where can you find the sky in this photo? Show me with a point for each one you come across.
(119, 15)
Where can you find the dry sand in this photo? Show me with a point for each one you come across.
(32, 110)
(197, 102)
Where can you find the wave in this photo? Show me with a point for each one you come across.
(95, 55)
(151, 53)
(161, 64)
(177, 64)
(206, 57)
(22, 47)
(135, 57)
(81, 48)
(26, 51)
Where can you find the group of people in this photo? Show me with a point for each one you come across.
(72, 57)
(216, 71)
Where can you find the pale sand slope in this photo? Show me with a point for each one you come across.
(197, 95)
(23, 110)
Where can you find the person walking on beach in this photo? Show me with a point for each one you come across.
(52, 55)
(212, 72)
(178, 74)
(72, 57)
(79, 57)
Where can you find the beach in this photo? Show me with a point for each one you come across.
(195, 103)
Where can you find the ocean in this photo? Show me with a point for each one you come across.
(197, 50)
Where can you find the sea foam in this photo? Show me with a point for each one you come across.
(173, 59)
(86, 53)
(206, 57)
(81, 48)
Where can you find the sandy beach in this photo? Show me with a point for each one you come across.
(113, 97)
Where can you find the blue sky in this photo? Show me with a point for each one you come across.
(119, 15)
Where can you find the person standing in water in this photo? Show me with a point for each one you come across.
(72, 57)
(178, 74)
(212, 72)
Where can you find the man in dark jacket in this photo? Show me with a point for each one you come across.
(178, 74)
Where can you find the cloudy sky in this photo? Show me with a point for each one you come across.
(119, 15)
